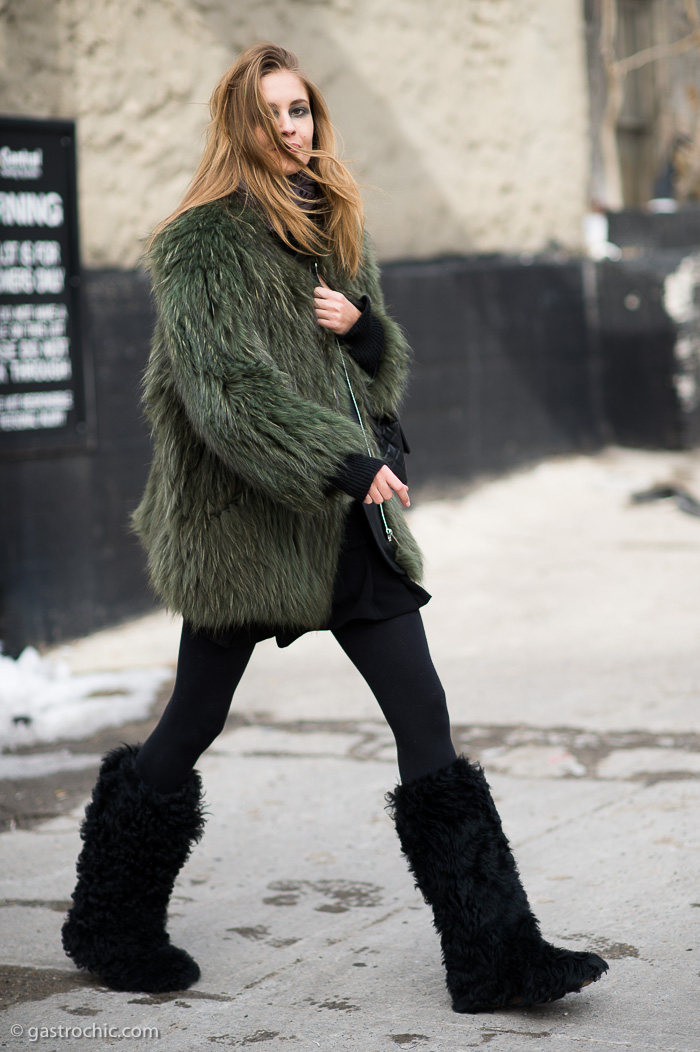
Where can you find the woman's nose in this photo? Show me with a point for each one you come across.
(285, 124)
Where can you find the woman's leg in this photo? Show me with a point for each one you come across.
(207, 676)
(394, 659)
(140, 826)
(451, 835)
(493, 951)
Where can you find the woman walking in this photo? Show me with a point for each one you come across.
(270, 511)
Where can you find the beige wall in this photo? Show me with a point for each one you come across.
(469, 116)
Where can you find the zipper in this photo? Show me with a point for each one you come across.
(328, 365)
(391, 539)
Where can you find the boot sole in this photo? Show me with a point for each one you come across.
(520, 1002)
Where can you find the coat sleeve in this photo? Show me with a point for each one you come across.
(387, 388)
(365, 340)
(238, 401)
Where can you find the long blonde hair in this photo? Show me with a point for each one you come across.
(235, 160)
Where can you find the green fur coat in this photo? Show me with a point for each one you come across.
(251, 417)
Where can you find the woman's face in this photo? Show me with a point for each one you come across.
(289, 101)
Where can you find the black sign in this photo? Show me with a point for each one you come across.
(42, 375)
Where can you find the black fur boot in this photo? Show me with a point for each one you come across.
(494, 955)
(135, 842)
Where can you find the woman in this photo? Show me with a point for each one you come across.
(269, 512)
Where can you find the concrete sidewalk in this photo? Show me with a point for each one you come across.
(565, 625)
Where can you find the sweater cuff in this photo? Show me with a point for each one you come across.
(365, 340)
(356, 474)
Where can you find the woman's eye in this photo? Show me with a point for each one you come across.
(300, 111)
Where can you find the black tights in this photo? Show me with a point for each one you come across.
(392, 656)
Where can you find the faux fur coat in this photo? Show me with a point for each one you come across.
(251, 417)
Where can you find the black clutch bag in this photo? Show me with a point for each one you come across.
(392, 444)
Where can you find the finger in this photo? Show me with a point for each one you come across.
(399, 487)
(385, 492)
(391, 479)
(402, 494)
(325, 311)
(323, 292)
(328, 323)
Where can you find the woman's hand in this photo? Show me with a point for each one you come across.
(384, 486)
(333, 310)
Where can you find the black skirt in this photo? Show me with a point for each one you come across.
(369, 585)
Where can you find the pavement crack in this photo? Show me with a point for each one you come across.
(407, 1039)
(490, 1033)
(191, 995)
(58, 905)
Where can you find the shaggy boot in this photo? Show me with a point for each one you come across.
(494, 955)
(135, 842)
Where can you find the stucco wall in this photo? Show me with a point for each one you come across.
(467, 116)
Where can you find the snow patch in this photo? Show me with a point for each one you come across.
(41, 764)
(681, 297)
(41, 701)
(682, 303)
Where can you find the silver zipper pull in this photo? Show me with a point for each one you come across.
(388, 530)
